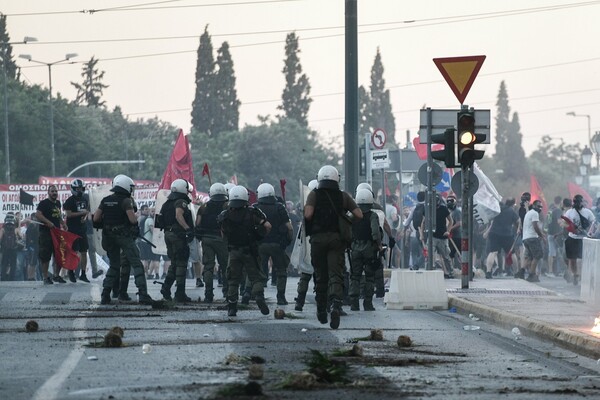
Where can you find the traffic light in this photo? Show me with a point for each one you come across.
(467, 138)
(448, 154)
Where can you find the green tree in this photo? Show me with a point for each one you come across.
(228, 114)
(89, 92)
(6, 50)
(563, 159)
(509, 156)
(293, 153)
(204, 106)
(296, 94)
(379, 109)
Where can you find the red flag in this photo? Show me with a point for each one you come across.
(536, 193)
(206, 171)
(422, 148)
(233, 179)
(387, 188)
(64, 254)
(180, 164)
(576, 189)
(282, 183)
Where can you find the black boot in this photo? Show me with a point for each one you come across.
(335, 314)
(208, 296)
(124, 297)
(300, 301)
(281, 301)
(246, 298)
(262, 304)
(105, 298)
(181, 297)
(145, 298)
(232, 308)
(354, 304)
(368, 304)
(322, 313)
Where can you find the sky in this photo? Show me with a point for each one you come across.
(546, 51)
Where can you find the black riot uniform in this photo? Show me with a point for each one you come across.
(118, 236)
(177, 239)
(274, 244)
(242, 227)
(214, 247)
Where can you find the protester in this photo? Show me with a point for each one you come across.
(77, 208)
(533, 236)
(581, 219)
(440, 234)
(48, 213)
(500, 236)
(8, 244)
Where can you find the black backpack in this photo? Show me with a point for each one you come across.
(9, 239)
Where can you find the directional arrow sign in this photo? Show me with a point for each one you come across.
(460, 73)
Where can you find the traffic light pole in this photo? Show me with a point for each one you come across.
(429, 203)
(466, 234)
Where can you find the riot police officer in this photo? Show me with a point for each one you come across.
(177, 221)
(366, 245)
(274, 244)
(116, 216)
(213, 244)
(323, 208)
(243, 226)
(308, 271)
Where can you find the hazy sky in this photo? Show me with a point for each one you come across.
(545, 50)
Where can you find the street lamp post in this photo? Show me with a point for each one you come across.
(68, 56)
(589, 121)
(5, 90)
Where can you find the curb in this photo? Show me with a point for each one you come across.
(578, 342)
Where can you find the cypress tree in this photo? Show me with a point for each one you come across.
(89, 92)
(204, 105)
(509, 155)
(11, 67)
(379, 109)
(228, 116)
(296, 94)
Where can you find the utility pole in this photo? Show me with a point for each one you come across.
(351, 113)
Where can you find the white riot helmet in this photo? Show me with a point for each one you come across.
(265, 190)
(217, 192)
(364, 196)
(229, 186)
(123, 183)
(238, 197)
(312, 185)
(328, 177)
(181, 186)
(365, 185)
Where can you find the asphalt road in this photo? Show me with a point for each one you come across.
(197, 351)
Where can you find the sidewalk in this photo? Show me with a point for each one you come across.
(535, 310)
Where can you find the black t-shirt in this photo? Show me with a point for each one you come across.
(502, 224)
(456, 217)
(76, 204)
(553, 226)
(50, 210)
(441, 213)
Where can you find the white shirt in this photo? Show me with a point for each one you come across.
(574, 217)
(528, 230)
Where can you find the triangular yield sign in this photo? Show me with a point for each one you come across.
(460, 73)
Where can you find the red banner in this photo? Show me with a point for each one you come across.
(64, 254)
(576, 189)
(180, 165)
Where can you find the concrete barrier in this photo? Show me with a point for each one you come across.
(590, 272)
(416, 290)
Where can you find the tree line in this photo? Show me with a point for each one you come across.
(281, 148)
